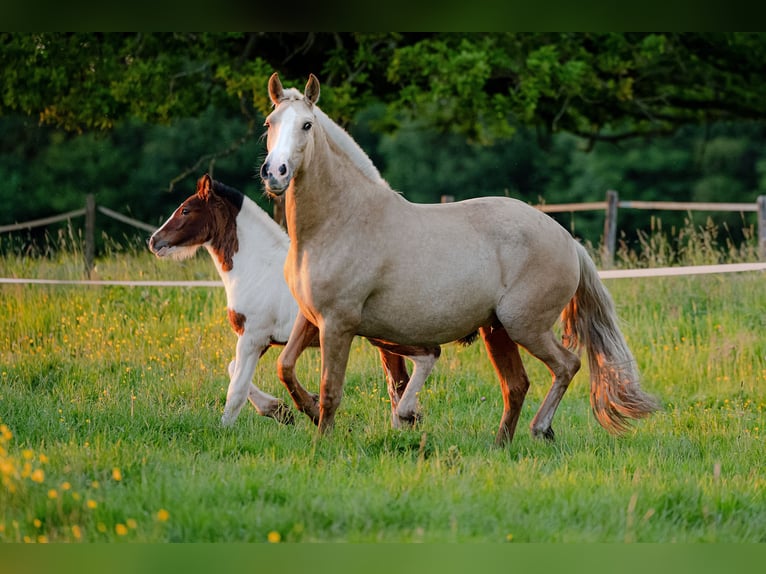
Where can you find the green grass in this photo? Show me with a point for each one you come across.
(115, 394)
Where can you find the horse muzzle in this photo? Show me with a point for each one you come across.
(275, 181)
(157, 246)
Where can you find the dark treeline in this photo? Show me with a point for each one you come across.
(132, 167)
(555, 118)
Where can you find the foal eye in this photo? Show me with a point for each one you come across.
(185, 211)
(307, 126)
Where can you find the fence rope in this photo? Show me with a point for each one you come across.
(604, 274)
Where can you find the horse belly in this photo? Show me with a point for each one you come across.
(436, 312)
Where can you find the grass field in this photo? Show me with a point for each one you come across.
(110, 400)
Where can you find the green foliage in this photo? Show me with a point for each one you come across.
(544, 117)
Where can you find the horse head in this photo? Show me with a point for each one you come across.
(189, 227)
(289, 133)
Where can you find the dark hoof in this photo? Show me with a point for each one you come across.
(546, 434)
(282, 414)
(411, 421)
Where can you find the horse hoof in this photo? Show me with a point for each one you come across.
(227, 421)
(546, 434)
(282, 414)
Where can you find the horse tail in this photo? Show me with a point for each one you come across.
(590, 319)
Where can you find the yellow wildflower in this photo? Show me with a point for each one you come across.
(163, 515)
(120, 529)
(91, 504)
(274, 537)
(132, 524)
(116, 474)
(38, 475)
(76, 532)
(52, 493)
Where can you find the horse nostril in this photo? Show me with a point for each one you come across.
(265, 170)
(282, 169)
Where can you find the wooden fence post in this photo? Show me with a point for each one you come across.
(447, 198)
(90, 233)
(762, 227)
(609, 247)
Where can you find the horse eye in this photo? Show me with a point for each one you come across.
(307, 126)
(185, 211)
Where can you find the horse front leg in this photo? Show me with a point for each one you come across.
(304, 334)
(335, 345)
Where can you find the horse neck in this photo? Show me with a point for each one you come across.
(333, 187)
(346, 145)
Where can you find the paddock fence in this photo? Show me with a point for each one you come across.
(610, 206)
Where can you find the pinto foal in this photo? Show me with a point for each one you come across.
(249, 250)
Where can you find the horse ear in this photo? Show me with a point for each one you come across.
(311, 92)
(276, 92)
(204, 187)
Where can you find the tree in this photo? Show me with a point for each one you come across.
(600, 86)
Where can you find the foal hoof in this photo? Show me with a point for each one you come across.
(546, 434)
(282, 414)
(406, 421)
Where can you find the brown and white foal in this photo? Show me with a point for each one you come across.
(249, 250)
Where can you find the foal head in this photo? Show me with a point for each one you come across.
(289, 137)
(206, 218)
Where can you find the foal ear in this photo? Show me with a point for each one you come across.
(276, 92)
(204, 187)
(311, 93)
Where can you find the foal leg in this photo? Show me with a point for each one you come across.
(265, 404)
(303, 335)
(505, 357)
(241, 371)
(404, 405)
(407, 412)
(397, 376)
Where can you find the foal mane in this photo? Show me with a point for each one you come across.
(233, 196)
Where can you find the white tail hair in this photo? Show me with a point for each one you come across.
(590, 320)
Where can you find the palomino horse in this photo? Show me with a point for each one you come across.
(249, 251)
(364, 260)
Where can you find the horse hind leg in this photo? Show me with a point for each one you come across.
(563, 365)
(505, 357)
